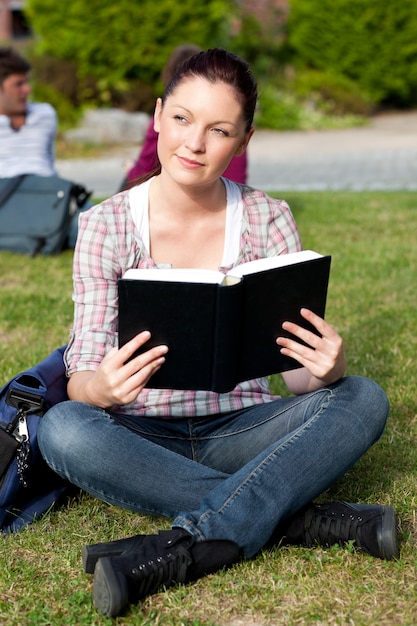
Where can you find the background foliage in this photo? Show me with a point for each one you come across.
(116, 45)
(319, 63)
(373, 43)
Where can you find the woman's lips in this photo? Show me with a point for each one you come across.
(190, 163)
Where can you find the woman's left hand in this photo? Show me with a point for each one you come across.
(323, 356)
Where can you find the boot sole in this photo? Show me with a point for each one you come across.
(110, 592)
(387, 537)
(91, 554)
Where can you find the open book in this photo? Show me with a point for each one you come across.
(221, 329)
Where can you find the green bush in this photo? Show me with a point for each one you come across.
(260, 44)
(332, 93)
(371, 42)
(277, 110)
(54, 81)
(284, 110)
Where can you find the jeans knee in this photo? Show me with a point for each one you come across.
(57, 433)
(371, 401)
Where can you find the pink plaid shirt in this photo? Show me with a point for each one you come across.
(109, 244)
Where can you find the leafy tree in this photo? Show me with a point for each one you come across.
(114, 43)
(369, 41)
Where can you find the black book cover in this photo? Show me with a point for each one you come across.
(181, 315)
(271, 298)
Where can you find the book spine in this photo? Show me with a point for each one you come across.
(227, 331)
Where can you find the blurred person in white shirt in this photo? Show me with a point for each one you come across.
(27, 129)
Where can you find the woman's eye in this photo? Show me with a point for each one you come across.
(220, 131)
(180, 118)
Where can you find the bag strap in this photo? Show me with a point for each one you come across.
(10, 188)
(80, 194)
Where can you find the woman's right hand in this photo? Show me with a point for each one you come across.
(117, 380)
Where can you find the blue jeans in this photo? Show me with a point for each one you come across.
(233, 476)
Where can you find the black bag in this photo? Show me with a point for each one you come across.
(36, 213)
(28, 487)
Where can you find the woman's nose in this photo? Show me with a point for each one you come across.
(195, 140)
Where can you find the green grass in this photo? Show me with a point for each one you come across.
(372, 302)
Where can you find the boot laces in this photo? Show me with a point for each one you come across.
(334, 529)
(161, 572)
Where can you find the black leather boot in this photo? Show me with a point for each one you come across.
(171, 557)
(92, 553)
(373, 528)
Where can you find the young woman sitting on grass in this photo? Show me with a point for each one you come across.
(234, 470)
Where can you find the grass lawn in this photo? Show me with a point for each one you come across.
(372, 303)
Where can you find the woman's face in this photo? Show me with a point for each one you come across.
(201, 127)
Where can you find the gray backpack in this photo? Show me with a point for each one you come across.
(36, 213)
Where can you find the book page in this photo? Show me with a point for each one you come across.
(181, 275)
(268, 263)
(193, 275)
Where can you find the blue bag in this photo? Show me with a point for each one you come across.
(28, 487)
(37, 213)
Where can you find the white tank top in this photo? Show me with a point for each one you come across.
(139, 206)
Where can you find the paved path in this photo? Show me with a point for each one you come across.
(382, 155)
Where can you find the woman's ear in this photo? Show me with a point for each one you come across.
(244, 144)
(157, 115)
